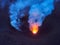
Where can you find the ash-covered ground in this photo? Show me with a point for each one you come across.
(49, 34)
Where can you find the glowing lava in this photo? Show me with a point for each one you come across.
(34, 28)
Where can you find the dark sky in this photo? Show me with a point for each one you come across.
(49, 35)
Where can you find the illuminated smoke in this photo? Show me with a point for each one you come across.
(37, 13)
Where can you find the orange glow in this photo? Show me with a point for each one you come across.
(34, 28)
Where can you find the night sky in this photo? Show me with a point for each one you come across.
(49, 32)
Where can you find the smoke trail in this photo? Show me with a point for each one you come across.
(38, 11)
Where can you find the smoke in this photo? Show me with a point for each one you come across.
(37, 13)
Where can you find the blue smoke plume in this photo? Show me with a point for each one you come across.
(39, 9)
